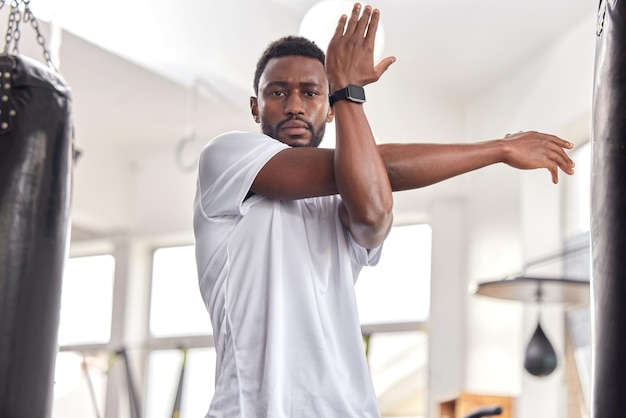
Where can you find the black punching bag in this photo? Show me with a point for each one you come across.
(35, 188)
(608, 214)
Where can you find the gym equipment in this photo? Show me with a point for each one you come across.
(486, 411)
(178, 400)
(540, 357)
(608, 205)
(35, 185)
(133, 398)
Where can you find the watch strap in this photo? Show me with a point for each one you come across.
(351, 92)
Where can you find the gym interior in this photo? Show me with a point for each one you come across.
(478, 271)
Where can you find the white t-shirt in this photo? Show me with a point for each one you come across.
(278, 277)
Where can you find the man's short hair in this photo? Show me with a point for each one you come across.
(284, 47)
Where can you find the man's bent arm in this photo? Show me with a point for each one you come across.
(360, 174)
(361, 178)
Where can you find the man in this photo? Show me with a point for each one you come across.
(283, 227)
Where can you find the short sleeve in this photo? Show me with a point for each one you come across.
(361, 255)
(227, 168)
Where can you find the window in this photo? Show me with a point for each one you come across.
(80, 385)
(177, 311)
(87, 300)
(85, 319)
(164, 369)
(176, 307)
(399, 367)
(394, 302)
(398, 288)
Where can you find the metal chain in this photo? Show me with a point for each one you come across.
(13, 29)
(28, 16)
(2, 3)
(17, 19)
(9, 35)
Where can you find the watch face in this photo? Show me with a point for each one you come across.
(356, 93)
(351, 92)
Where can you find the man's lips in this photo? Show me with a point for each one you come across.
(294, 128)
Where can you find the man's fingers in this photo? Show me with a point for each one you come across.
(567, 165)
(560, 142)
(341, 25)
(566, 144)
(555, 173)
(364, 22)
(350, 51)
(558, 159)
(383, 65)
(354, 19)
(363, 25)
(373, 26)
(561, 157)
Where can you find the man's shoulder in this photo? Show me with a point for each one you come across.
(240, 143)
(239, 135)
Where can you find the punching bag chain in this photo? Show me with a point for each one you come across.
(13, 29)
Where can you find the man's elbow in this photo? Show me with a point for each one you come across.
(371, 232)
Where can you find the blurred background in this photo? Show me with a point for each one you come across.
(153, 80)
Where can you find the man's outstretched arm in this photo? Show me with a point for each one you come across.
(411, 166)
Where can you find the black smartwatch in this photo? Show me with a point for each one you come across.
(351, 92)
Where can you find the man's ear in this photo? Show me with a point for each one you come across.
(330, 115)
(254, 108)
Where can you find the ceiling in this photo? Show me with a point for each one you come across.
(144, 74)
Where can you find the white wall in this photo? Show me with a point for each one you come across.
(101, 191)
(163, 192)
(517, 218)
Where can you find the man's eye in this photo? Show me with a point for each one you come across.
(311, 93)
(278, 93)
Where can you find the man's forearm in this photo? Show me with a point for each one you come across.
(361, 177)
(411, 166)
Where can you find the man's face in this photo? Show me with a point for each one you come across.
(292, 103)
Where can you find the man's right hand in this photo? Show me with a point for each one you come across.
(350, 54)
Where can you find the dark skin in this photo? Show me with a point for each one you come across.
(292, 106)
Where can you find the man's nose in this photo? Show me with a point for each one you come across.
(294, 105)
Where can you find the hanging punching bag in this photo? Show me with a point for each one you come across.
(608, 213)
(35, 187)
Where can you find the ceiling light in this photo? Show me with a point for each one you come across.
(320, 22)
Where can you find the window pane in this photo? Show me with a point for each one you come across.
(398, 288)
(399, 368)
(176, 307)
(163, 378)
(79, 388)
(87, 300)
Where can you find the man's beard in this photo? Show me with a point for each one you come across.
(316, 134)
